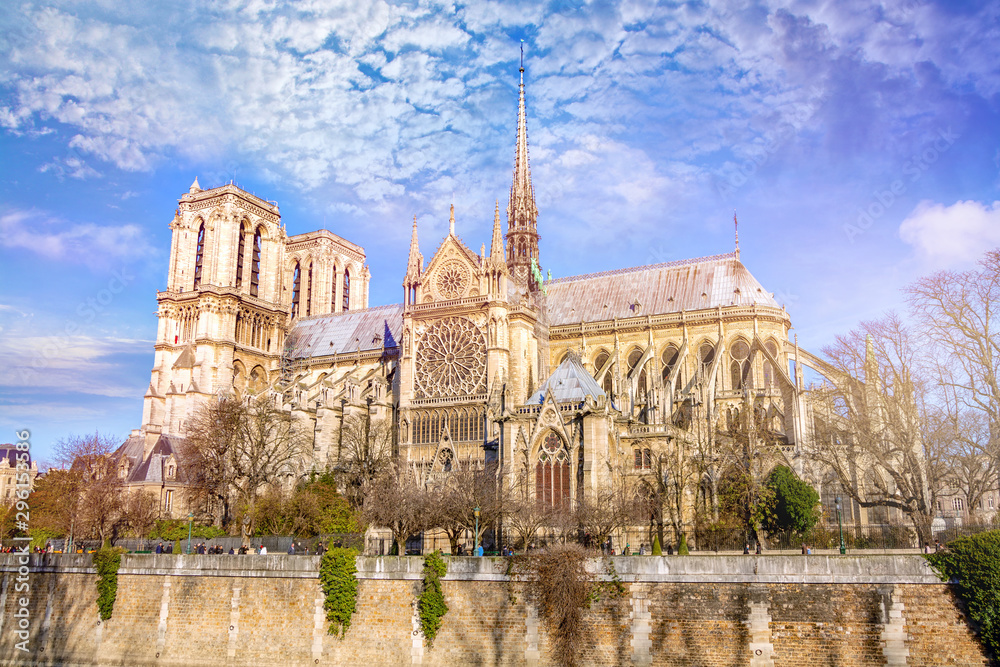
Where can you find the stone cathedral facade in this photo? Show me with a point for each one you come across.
(573, 384)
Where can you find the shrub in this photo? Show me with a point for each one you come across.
(107, 562)
(431, 604)
(682, 546)
(796, 505)
(973, 564)
(338, 576)
(657, 550)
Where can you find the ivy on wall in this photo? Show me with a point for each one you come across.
(430, 605)
(338, 577)
(107, 562)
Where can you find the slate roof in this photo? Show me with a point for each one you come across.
(570, 383)
(9, 452)
(151, 470)
(691, 284)
(368, 329)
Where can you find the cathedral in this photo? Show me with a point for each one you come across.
(572, 384)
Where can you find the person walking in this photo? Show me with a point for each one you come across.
(159, 548)
(263, 550)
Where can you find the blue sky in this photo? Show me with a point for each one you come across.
(859, 143)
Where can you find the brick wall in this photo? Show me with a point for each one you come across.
(699, 610)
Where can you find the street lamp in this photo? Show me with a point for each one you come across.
(840, 526)
(476, 512)
(190, 520)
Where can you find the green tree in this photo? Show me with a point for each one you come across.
(796, 504)
(973, 563)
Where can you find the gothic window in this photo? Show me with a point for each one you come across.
(552, 474)
(199, 256)
(643, 459)
(633, 361)
(445, 459)
(707, 355)
(258, 379)
(347, 290)
(739, 366)
(255, 265)
(670, 356)
(296, 286)
(599, 362)
(241, 249)
(451, 359)
(772, 348)
(452, 280)
(333, 290)
(309, 289)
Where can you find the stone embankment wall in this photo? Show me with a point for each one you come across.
(694, 610)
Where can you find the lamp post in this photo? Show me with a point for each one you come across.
(476, 512)
(190, 520)
(840, 526)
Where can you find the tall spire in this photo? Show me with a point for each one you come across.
(415, 263)
(451, 221)
(496, 245)
(736, 229)
(522, 214)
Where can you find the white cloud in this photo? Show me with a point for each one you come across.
(68, 364)
(949, 236)
(93, 245)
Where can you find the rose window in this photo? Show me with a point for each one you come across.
(451, 360)
(452, 280)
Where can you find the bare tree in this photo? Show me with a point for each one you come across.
(235, 450)
(748, 450)
(398, 501)
(609, 509)
(959, 313)
(525, 517)
(141, 512)
(957, 449)
(365, 453)
(470, 487)
(869, 432)
(92, 488)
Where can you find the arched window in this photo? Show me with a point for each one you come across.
(296, 286)
(772, 348)
(647, 459)
(199, 256)
(347, 290)
(599, 362)
(670, 356)
(552, 474)
(739, 366)
(309, 289)
(333, 290)
(707, 355)
(640, 378)
(241, 249)
(255, 265)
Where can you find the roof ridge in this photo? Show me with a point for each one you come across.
(356, 311)
(633, 269)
